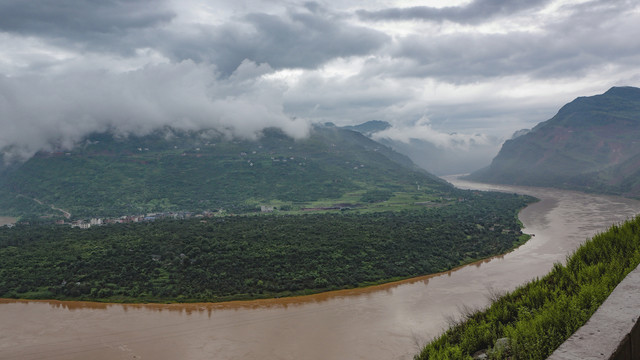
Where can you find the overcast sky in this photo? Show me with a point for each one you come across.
(437, 70)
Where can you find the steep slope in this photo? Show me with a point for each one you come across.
(172, 171)
(370, 127)
(592, 143)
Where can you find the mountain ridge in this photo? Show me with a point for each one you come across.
(591, 144)
(170, 170)
(439, 160)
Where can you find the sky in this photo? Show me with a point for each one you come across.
(458, 74)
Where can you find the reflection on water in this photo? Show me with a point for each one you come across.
(381, 322)
(286, 302)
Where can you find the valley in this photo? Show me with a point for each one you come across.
(171, 171)
(591, 144)
(243, 257)
(381, 322)
(272, 179)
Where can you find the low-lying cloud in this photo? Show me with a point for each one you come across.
(439, 152)
(422, 130)
(43, 113)
(71, 67)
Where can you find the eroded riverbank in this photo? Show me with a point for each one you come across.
(382, 322)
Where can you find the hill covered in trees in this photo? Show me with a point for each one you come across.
(350, 212)
(244, 257)
(591, 144)
(169, 170)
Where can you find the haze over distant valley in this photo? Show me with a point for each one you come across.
(438, 153)
(591, 144)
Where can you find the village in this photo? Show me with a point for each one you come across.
(181, 215)
(96, 221)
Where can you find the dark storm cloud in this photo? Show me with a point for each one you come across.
(303, 36)
(77, 19)
(569, 48)
(297, 39)
(475, 12)
(68, 68)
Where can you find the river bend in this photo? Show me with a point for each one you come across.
(385, 322)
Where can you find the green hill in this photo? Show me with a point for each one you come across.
(590, 144)
(350, 212)
(253, 256)
(170, 170)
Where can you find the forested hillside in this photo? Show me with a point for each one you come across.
(238, 257)
(170, 170)
(283, 217)
(590, 144)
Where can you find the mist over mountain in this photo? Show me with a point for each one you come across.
(437, 152)
(591, 144)
(177, 170)
(370, 127)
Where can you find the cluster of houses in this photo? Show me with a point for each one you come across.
(181, 215)
(84, 224)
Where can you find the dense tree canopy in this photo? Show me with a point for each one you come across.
(252, 256)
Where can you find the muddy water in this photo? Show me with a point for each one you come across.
(386, 322)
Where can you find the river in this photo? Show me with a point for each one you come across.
(384, 322)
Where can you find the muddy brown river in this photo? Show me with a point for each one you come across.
(384, 322)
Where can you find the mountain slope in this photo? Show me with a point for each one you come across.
(370, 127)
(178, 171)
(592, 143)
(439, 160)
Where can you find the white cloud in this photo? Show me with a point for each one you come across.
(44, 112)
(422, 130)
(470, 66)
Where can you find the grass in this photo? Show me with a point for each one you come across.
(540, 315)
(400, 200)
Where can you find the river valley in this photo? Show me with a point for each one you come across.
(389, 321)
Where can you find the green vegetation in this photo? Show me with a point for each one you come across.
(541, 315)
(373, 196)
(242, 257)
(185, 171)
(590, 145)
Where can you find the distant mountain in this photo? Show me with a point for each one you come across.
(435, 159)
(370, 127)
(591, 144)
(520, 133)
(443, 160)
(169, 170)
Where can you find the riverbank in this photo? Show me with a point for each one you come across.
(538, 317)
(390, 323)
(241, 258)
(290, 298)
(261, 302)
(376, 323)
